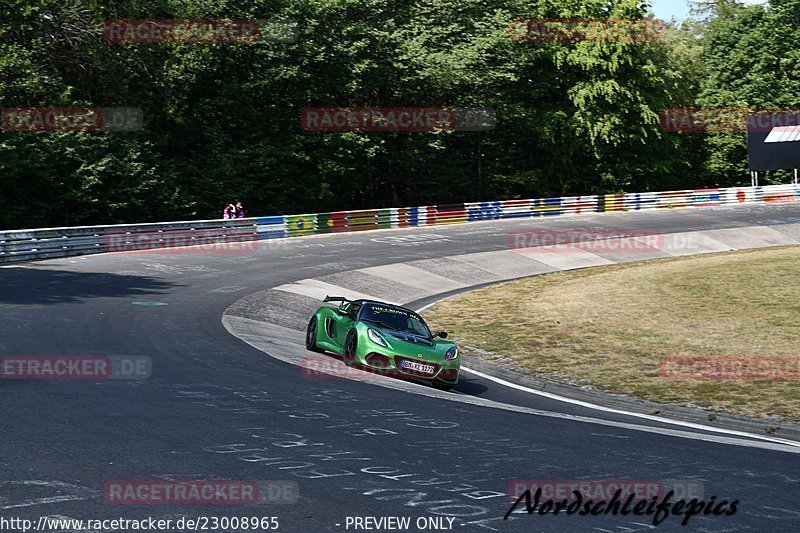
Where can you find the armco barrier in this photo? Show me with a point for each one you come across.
(21, 245)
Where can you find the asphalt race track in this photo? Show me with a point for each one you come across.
(217, 408)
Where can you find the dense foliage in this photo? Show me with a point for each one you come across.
(222, 119)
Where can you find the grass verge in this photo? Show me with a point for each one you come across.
(612, 327)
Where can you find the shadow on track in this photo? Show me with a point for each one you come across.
(471, 387)
(31, 286)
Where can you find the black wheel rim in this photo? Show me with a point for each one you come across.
(350, 348)
(311, 336)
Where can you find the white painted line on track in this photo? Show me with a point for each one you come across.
(611, 410)
(653, 418)
(281, 343)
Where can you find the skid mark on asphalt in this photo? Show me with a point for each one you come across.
(25, 489)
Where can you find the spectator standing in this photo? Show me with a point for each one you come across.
(239, 210)
(229, 211)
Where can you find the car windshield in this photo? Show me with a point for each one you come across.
(395, 319)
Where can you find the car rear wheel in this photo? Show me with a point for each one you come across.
(350, 345)
(311, 336)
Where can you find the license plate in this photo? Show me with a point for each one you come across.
(418, 367)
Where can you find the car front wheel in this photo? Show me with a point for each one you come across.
(350, 346)
(311, 336)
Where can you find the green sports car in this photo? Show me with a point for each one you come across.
(384, 338)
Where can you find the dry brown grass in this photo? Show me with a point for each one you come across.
(610, 326)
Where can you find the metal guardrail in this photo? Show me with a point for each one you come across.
(24, 245)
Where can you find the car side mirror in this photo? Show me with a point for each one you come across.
(442, 334)
(343, 312)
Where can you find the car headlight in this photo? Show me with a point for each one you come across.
(451, 354)
(376, 337)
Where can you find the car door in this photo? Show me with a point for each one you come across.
(344, 322)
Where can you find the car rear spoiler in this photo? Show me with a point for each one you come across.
(335, 299)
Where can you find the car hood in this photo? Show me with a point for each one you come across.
(409, 337)
(412, 345)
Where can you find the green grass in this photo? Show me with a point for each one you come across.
(611, 326)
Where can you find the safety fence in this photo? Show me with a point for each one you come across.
(21, 245)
